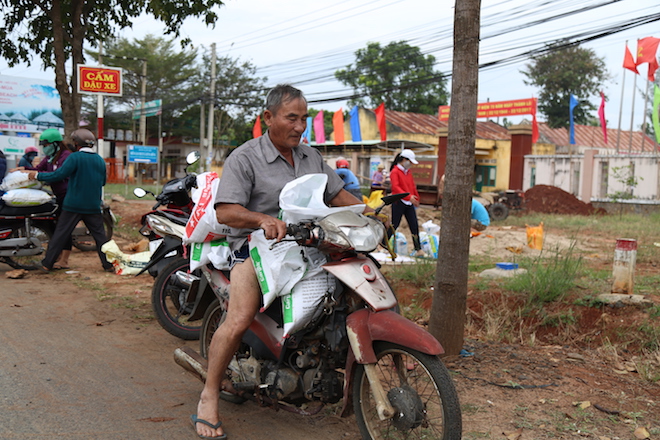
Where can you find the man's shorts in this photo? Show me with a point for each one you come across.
(239, 256)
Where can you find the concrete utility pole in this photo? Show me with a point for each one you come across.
(143, 93)
(209, 137)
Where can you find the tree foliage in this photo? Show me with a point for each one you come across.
(181, 79)
(56, 30)
(564, 70)
(397, 74)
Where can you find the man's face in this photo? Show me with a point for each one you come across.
(287, 125)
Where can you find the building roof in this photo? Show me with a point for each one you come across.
(592, 136)
(429, 124)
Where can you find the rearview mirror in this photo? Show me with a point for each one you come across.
(139, 192)
(192, 157)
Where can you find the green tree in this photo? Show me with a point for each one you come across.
(239, 96)
(565, 69)
(397, 74)
(56, 30)
(169, 77)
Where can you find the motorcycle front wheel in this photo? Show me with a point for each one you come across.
(420, 390)
(31, 262)
(168, 302)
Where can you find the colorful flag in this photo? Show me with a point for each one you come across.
(256, 129)
(319, 129)
(601, 116)
(356, 133)
(653, 66)
(629, 62)
(338, 126)
(646, 49)
(573, 103)
(380, 121)
(307, 134)
(655, 116)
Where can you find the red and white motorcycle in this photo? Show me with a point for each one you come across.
(355, 348)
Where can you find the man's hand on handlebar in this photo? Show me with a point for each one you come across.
(273, 228)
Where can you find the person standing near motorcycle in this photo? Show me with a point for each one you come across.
(56, 152)
(403, 182)
(252, 179)
(86, 173)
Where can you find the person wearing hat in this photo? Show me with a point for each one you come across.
(28, 157)
(378, 179)
(403, 182)
(351, 182)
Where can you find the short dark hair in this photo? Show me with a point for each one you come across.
(280, 94)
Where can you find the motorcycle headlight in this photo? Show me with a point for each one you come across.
(349, 230)
(164, 227)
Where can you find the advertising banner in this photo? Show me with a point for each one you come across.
(28, 105)
(498, 108)
(99, 80)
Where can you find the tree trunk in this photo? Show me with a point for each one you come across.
(447, 322)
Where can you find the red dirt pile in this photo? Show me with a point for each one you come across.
(552, 200)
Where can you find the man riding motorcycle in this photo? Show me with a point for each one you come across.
(269, 162)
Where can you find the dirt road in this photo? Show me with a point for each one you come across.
(78, 363)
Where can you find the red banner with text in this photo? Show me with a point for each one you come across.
(501, 108)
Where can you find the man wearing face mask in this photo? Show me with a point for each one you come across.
(403, 182)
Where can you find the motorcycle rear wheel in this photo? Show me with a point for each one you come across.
(214, 316)
(167, 300)
(419, 388)
(31, 262)
(84, 241)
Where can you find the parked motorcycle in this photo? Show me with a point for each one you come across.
(24, 231)
(355, 348)
(165, 229)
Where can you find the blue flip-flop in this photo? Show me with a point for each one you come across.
(194, 419)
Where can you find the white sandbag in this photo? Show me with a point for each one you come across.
(278, 268)
(18, 179)
(26, 197)
(304, 303)
(302, 199)
(429, 243)
(203, 225)
(431, 228)
(216, 252)
(125, 264)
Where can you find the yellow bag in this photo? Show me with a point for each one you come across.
(535, 236)
(374, 200)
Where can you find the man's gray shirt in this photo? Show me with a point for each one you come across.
(255, 173)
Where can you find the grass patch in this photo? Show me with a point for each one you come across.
(126, 191)
(547, 279)
(420, 274)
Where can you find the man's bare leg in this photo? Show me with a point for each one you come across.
(244, 304)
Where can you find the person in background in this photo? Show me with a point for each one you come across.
(86, 172)
(28, 157)
(479, 216)
(403, 182)
(351, 183)
(378, 179)
(3, 165)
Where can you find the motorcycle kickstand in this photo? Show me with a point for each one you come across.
(383, 406)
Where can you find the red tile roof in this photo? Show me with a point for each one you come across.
(592, 136)
(428, 124)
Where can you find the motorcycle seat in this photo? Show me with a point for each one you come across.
(28, 211)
